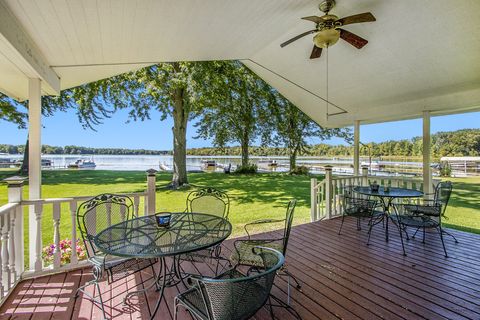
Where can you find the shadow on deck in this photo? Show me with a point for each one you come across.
(341, 276)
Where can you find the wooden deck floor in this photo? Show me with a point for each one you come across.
(342, 278)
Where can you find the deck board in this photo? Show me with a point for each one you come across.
(342, 278)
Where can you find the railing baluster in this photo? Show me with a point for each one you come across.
(136, 205)
(108, 206)
(57, 254)
(4, 236)
(37, 256)
(2, 288)
(73, 215)
(11, 247)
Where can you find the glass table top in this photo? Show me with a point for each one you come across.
(393, 193)
(143, 238)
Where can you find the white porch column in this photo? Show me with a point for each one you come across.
(427, 173)
(356, 147)
(34, 162)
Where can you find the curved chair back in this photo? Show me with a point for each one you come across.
(210, 201)
(240, 298)
(99, 213)
(442, 195)
(288, 224)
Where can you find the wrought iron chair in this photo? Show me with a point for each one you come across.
(242, 255)
(210, 201)
(93, 216)
(429, 214)
(358, 207)
(232, 295)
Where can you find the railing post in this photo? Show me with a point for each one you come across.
(328, 191)
(151, 190)
(313, 199)
(365, 175)
(15, 195)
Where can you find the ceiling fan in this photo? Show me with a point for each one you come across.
(328, 31)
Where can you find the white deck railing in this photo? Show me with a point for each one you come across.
(63, 211)
(327, 195)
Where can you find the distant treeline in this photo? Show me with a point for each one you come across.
(464, 142)
(46, 149)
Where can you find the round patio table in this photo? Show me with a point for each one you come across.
(143, 238)
(386, 199)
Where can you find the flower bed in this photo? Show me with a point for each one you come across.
(65, 251)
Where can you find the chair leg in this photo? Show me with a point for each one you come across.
(272, 315)
(341, 225)
(443, 243)
(413, 237)
(282, 304)
(101, 300)
(298, 285)
(359, 226)
(423, 239)
(401, 238)
(451, 235)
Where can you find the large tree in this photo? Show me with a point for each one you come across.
(166, 87)
(235, 104)
(293, 129)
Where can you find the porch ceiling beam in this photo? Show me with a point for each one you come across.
(442, 104)
(18, 47)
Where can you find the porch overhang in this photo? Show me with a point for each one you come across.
(420, 57)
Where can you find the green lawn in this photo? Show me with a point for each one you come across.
(252, 197)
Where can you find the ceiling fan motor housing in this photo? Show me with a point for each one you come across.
(326, 6)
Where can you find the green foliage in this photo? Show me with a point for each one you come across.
(445, 169)
(299, 170)
(249, 168)
(235, 104)
(292, 128)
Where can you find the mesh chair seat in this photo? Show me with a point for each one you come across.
(417, 221)
(244, 255)
(431, 210)
(192, 299)
(232, 295)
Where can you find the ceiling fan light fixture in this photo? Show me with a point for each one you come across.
(326, 38)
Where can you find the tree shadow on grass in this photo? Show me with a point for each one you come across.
(266, 187)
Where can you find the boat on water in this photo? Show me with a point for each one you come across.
(374, 165)
(209, 164)
(82, 164)
(46, 163)
(268, 163)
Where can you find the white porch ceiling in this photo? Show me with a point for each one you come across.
(421, 55)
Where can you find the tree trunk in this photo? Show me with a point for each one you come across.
(293, 159)
(180, 118)
(24, 168)
(244, 144)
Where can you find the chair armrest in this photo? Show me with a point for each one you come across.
(262, 221)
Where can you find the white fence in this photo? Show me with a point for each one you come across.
(13, 233)
(327, 195)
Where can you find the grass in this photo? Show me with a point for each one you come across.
(252, 196)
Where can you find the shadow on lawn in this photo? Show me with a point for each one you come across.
(275, 188)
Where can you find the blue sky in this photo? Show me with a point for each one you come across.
(64, 129)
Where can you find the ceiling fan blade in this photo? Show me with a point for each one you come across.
(353, 39)
(313, 19)
(358, 18)
(316, 52)
(297, 37)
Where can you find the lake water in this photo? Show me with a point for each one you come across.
(194, 163)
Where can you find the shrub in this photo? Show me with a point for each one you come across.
(250, 168)
(299, 170)
(65, 252)
(445, 169)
